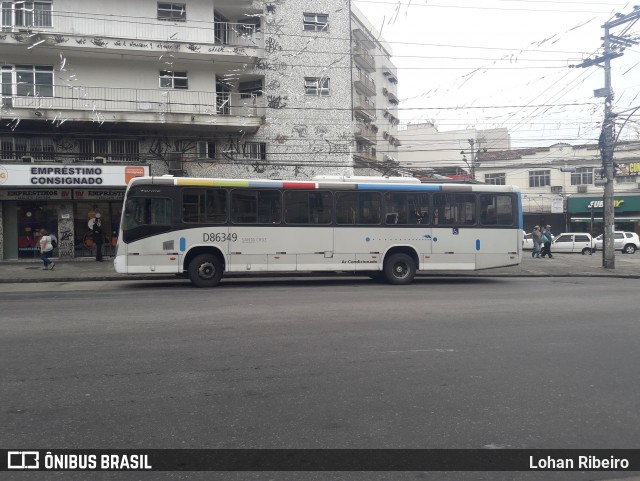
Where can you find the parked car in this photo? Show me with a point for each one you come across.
(573, 242)
(625, 242)
(527, 242)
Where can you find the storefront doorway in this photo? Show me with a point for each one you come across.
(85, 214)
(31, 217)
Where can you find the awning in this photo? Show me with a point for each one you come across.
(621, 218)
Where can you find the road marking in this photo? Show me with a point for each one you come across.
(426, 350)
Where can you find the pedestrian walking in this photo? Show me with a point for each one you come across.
(46, 250)
(536, 236)
(98, 238)
(547, 238)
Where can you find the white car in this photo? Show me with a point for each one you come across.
(573, 242)
(625, 242)
(527, 242)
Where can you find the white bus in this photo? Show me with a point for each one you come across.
(381, 227)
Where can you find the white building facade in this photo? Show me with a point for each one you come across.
(562, 184)
(197, 87)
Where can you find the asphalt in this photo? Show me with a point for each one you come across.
(561, 265)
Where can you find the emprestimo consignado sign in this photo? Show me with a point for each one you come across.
(17, 175)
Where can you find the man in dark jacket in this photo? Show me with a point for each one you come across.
(98, 239)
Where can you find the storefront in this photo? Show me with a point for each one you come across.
(63, 199)
(585, 213)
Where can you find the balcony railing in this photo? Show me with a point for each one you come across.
(367, 108)
(365, 84)
(111, 31)
(106, 99)
(364, 155)
(365, 59)
(365, 132)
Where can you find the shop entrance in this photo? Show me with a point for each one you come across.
(85, 215)
(31, 217)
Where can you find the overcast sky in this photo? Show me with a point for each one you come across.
(505, 63)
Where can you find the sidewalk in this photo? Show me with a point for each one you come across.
(562, 265)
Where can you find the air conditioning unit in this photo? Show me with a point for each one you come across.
(556, 189)
(27, 159)
(175, 160)
(100, 160)
(582, 189)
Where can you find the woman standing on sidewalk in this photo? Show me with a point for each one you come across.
(46, 249)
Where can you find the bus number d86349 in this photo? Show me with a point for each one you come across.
(219, 237)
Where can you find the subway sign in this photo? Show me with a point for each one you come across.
(584, 205)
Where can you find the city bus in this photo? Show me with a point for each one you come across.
(386, 228)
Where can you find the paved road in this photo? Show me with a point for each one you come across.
(562, 265)
(344, 363)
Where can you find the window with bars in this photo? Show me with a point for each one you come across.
(26, 14)
(172, 12)
(316, 22)
(255, 150)
(582, 176)
(206, 149)
(539, 178)
(173, 80)
(495, 179)
(123, 150)
(14, 148)
(316, 86)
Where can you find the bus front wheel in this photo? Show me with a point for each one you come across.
(205, 270)
(399, 269)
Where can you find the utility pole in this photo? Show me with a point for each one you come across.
(613, 48)
(474, 157)
(607, 147)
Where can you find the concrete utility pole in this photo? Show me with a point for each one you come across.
(613, 47)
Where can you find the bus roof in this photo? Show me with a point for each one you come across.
(353, 183)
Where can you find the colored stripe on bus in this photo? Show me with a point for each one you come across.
(299, 185)
(262, 184)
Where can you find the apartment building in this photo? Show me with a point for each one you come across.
(94, 93)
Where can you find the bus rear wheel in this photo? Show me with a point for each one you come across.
(205, 270)
(399, 269)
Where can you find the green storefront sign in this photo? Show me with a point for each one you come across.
(621, 204)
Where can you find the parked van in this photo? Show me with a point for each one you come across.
(571, 242)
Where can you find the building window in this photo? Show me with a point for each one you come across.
(255, 150)
(495, 179)
(582, 176)
(173, 12)
(14, 148)
(629, 179)
(250, 89)
(27, 80)
(316, 22)
(539, 178)
(173, 80)
(111, 149)
(26, 14)
(316, 86)
(206, 149)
